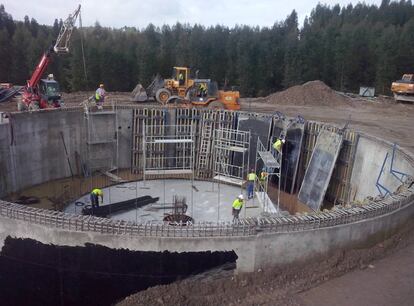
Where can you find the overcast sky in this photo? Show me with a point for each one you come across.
(137, 13)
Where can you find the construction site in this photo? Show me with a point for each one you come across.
(200, 192)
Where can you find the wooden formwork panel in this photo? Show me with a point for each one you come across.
(339, 186)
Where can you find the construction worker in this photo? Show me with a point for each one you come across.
(100, 94)
(251, 177)
(180, 79)
(237, 206)
(202, 88)
(95, 194)
(278, 144)
(263, 175)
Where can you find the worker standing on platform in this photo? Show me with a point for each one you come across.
(237, 206)
(100, 94)
(251, 177)
(95, 195)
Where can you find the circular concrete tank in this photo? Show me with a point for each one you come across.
(46, 154)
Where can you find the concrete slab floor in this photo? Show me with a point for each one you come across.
(207, 201)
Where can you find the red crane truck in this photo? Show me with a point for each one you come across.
(45, 93)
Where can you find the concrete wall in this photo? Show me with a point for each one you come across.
(263, 250)
(369, 159)
(37, 154)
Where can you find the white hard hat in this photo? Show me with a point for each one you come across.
(241, 197)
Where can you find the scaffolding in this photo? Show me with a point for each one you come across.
(170, 152)
(271, 166)
(231, 155)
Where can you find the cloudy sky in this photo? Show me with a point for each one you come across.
(137, 13)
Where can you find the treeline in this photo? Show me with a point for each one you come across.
(344, 47)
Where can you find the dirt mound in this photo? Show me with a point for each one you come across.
(313, 93)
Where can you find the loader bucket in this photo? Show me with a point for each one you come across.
(139, 94)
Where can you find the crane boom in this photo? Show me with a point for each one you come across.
(39, 93)
(62, 42)
(61, 46)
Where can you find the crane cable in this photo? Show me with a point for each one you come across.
(83, 52)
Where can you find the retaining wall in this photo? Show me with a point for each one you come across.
(37, 155)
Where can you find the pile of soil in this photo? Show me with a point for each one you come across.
(313, 93)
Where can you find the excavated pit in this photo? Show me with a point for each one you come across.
(72, 258)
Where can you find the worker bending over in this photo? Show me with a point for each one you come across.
(237, 206)
(251, 177)
(95, 195)
(278, 146)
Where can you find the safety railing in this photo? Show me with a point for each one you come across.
(245, 227)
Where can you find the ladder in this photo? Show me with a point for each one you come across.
(205, 145)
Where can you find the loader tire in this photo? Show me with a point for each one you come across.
(216, 105)
(162, 95)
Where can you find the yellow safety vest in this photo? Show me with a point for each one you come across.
(237, 204)
(251, 176)
(97, 192)
(278, 145)
(263, 176)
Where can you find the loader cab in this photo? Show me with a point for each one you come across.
(49, 92)
(181, 75)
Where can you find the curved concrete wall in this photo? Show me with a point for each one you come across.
(33, 152)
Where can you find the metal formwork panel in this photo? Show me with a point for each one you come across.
(340, 185)
(319, 172)
(156, 118)
(259, 127)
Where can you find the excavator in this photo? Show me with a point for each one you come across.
(183, 90)
(45, 93)
(403, 89)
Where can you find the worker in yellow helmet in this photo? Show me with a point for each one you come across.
(237, 206)
(251, 177)
(95, 195)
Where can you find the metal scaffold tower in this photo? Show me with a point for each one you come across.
(101, 140)
(271, 166)
(170, 152)
(231, 155)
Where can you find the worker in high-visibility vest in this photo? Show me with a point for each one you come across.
(237, 206)
(278, 144)
(251, 177)
(263, 175)
(100, 95)
(95, 195)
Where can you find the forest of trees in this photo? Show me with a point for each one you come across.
(346, 47)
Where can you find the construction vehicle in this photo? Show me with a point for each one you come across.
(45, 93)
(183, 90)
(403, 89)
